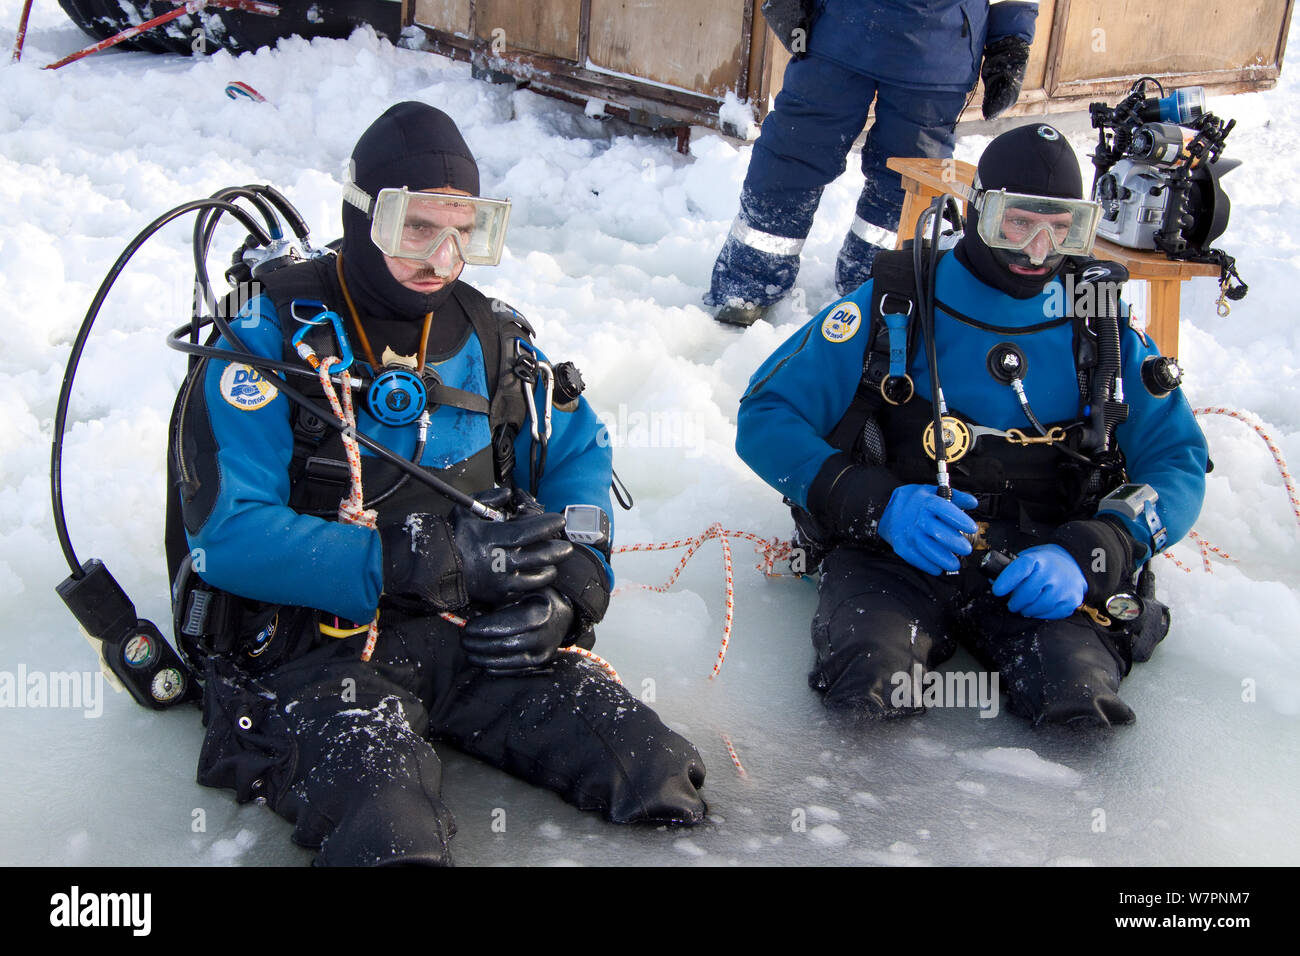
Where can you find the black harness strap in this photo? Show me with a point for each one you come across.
(892, 276)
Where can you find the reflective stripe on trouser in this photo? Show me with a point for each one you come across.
(858, 253)
(804, 145)
(756, 266)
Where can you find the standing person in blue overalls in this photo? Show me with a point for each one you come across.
(918, 60)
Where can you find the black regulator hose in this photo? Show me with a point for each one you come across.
(79, 344)
(205, 226)
(286, 208)
(926, 271)
(1106, 412)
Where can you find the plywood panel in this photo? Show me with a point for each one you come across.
(548, 27)
(1037, 68)
(1105, 38)
(693, 44)
(449, 16)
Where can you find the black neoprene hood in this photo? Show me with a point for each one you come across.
(413, 145)
(1036, 160)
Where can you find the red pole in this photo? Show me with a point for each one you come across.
(252, 6)
(22, 31)
(126, 34)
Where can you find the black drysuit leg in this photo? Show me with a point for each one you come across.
(877, 618)
(1062, 672)
(568, 727)
(336, 746)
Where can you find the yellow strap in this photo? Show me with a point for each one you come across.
(329, 631)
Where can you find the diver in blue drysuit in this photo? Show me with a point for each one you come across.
(886, 604)
(341, 746)
(918, 61)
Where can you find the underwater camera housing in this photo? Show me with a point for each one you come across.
(1158, 171)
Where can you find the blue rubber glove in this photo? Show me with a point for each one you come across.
(1043, 582)
(926, 530)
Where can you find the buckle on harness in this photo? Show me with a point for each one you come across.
(526, 367)
(885, 311)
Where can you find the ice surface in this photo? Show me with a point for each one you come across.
(612, 239)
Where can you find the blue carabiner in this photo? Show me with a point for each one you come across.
(321, 315)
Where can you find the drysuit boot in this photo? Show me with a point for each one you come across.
(1058, 672)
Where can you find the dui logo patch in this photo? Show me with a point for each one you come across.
(246, 388)
(842, 323)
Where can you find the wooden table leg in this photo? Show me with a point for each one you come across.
(915, 200)
(1163, 299)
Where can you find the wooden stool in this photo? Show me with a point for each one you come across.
(923, 179)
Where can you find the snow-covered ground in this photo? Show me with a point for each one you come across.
(612, 238)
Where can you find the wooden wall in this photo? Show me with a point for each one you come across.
(681, 57)
(691, 44)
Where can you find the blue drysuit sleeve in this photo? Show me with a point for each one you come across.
(1163, 445)
(1012, 18)
(800, 393)
(252, 543)
(579, 460)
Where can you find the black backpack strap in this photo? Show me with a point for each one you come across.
(891, 343)
(499, 329)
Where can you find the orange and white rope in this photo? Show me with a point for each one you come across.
(770, 552)
(596, 659)
(1205, 547)
(352, 509)
(1272, 447)
(731, 752)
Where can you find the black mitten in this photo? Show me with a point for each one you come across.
(790, 20)
(1003, 73)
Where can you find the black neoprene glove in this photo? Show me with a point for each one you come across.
(422, 569)
(520, 636)
(502, 559)
(1003, 72)
(582, 580)
(441, 564)
(847, 499)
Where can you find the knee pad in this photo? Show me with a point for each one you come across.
(1072, 678)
